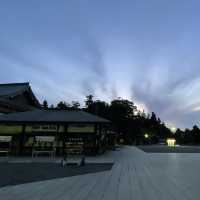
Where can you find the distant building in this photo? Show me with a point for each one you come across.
(17, 97)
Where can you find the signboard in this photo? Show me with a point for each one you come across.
(44, 138)
(81, 128)
(42, 128)
(5, 138)
(10, 129)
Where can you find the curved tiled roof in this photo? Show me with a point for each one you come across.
(13, 88)
(10, 90)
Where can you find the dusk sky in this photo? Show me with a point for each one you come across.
(145, 51)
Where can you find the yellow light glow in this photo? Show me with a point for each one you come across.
(173, 129)
(171, 142)
(146, 135)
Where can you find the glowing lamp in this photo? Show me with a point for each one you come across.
(171, 142)
(146, 135)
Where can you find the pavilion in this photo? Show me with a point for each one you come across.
(67, 126)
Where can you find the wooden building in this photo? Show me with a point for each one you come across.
(17, 97)
(85, 130)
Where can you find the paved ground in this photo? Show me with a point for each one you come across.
(166, 149)
(135, 175)
(18, 173)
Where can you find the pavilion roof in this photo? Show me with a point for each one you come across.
(52, 116)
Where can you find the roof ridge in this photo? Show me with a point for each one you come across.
(7, 84)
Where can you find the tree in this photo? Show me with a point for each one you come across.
(132, 124)
(52, 106)
(122, 109)
(88, 103)
(45, 104)
(179, 136)
(121, 113)
(100, 108)
(153, 117)
(75, 105)
(195, 132)
(63, 105)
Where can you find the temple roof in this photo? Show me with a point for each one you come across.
(10, 90)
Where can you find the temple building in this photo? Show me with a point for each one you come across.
(71, 130)
(27, 128)
(17, 97)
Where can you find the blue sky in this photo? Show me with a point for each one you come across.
(146, 51)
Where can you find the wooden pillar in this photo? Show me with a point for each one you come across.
(22, 139)
(64, 135)
(96, 139)
(56, 138)
(100, 136)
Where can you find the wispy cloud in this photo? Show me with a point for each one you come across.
(147, 52)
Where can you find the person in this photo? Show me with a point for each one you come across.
(82, 162)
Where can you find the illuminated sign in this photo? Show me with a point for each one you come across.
(171, 142)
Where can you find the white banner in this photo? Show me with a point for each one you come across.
(45, 138)
(5, 138)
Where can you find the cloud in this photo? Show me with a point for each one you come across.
(174, 100)
(70, 49)
(92, 61)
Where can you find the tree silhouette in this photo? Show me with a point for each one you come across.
(75, 105)
(131, 123)
(45, 104)
(63, 105)
(88, 103)
(52, 106)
